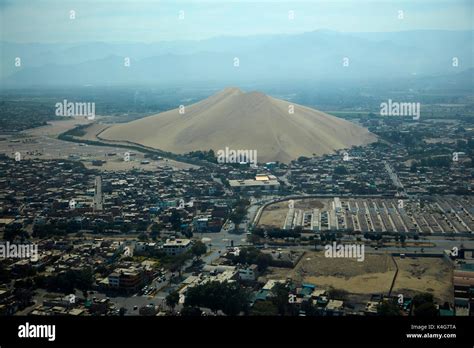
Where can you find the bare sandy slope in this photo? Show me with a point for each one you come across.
(244, 121)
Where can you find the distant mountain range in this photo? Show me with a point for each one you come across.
(317, 56)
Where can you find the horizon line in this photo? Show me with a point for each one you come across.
(236, 36)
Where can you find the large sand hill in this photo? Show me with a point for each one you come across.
(243, 121)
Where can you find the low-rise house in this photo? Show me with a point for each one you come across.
(335, 307)
(127, 279)
(249, 273)
(174, 246)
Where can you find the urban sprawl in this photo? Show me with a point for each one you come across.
(211, 238)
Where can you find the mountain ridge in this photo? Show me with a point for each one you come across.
(317, 55)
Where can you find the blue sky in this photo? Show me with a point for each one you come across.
(157, 20)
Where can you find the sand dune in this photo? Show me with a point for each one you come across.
(241, 121)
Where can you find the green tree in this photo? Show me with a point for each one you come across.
(155, 230)
(263, 261)
(240, 211)
(424, 305)
(280, 298)
(172, 299)
(419, 299)
(177, 262)
(230, 298)
(199, 249)
(389, 308)
(175, 220)
(340, 170)
(264, 308)
(426, 310)
(252, 255)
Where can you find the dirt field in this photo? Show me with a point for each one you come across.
(308, 204)
(275, 214)
(118, 164)
(55, 128)
(42, 143)
(374, 275)
(431, 275)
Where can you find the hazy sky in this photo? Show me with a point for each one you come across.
(157, 20)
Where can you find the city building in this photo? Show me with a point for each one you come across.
(260, 183)
(176, 246)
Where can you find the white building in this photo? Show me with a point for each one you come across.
(248, 273)
(176, 246)
(260, 183)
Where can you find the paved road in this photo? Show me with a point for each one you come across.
(393, 175)
(379, 250)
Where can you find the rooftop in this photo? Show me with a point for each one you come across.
(176, 242)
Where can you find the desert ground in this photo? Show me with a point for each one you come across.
(42, 142)
(54, 128)
(431, 275)
(373, 276)
(274, 215)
